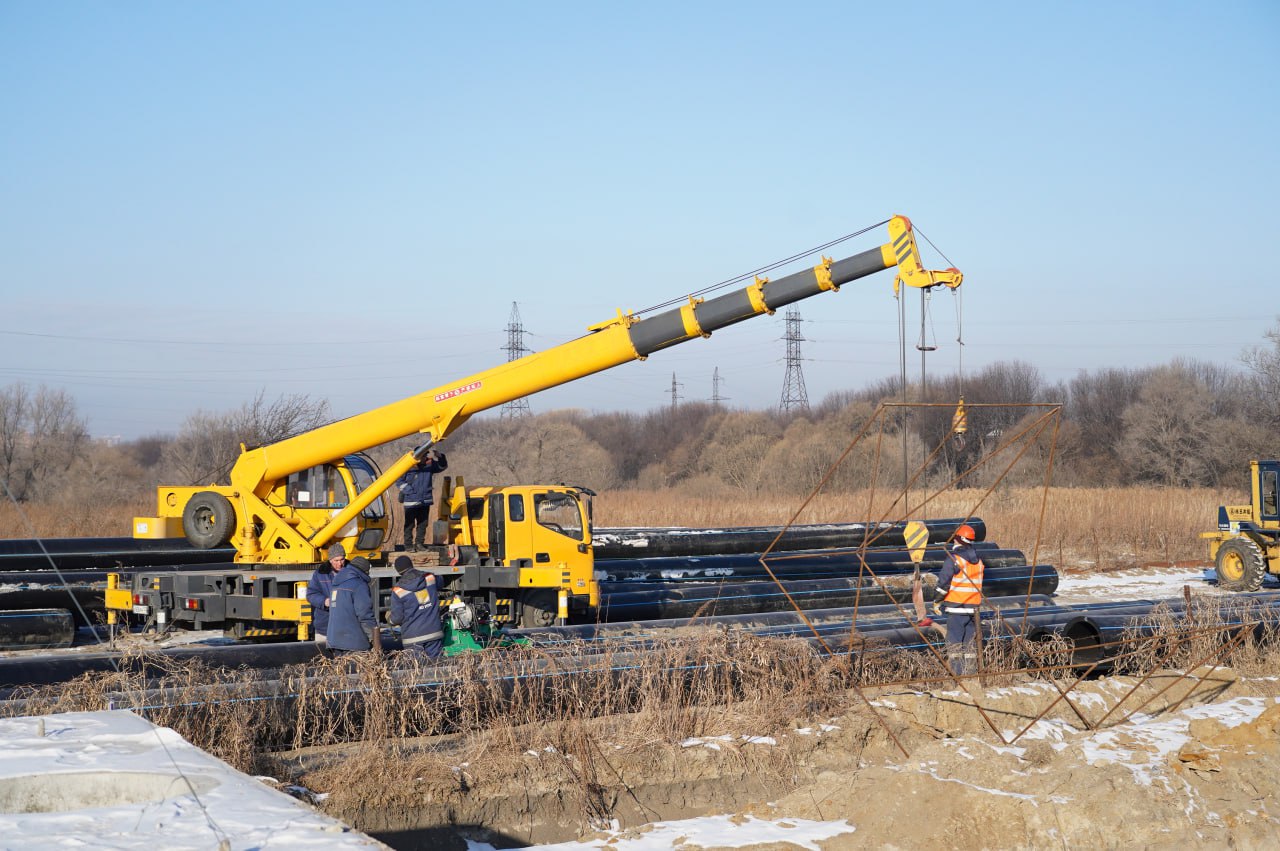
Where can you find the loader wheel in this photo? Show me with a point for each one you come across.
(208, 520)
(1240, 565)
(539, 607)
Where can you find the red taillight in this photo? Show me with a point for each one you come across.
(137, 599)
(193, 604)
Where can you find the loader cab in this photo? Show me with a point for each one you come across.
(1266, 493)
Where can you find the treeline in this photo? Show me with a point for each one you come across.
(1181, 424)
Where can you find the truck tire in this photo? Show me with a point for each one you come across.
(1240, 565)
(208, 520)
(538, 607)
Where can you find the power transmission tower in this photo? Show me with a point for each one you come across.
(794, 395)
(675, 392)
(716, 398)
(515, 349)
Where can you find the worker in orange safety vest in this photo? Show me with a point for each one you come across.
(960, 585)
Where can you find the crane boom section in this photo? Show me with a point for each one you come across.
(439, 411)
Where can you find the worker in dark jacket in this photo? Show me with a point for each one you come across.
(351, 619)
(319, 591)
(415, 605)
(415, 493)
(960, 585)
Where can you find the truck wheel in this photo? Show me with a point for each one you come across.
(539, 607)
(1240, 565)
(208, 520)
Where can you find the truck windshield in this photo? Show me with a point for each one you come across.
(558, 512)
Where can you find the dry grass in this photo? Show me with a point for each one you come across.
(1213, 630)
(47, 520)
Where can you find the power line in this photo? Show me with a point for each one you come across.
(794, 395)
(515, 349)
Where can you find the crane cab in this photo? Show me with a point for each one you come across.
(276, 525)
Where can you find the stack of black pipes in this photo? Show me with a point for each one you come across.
(863, 565)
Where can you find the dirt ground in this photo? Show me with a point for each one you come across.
(1194, 767)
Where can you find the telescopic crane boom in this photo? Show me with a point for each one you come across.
(270, 511)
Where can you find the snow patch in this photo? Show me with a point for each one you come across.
(705, 832)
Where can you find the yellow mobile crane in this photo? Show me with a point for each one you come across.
(521, 553)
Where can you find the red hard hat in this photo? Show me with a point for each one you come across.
(965, 533)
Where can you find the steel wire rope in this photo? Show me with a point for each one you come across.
(767, 268)
(959, 297)
(224, 839)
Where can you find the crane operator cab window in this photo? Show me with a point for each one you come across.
(558, 512)
(321, 486)
(325, 486)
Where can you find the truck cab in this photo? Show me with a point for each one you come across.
(533, 540)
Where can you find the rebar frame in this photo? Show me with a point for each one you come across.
(1027, 436)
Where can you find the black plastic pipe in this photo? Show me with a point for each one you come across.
(18, 554)
(34, 629)
(90, 601)
(636, 542)
(619, 602)
(758, 623)
(793, 565)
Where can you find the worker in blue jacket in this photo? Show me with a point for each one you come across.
(415, 494)
(351, 618)
(415, 605)
(319, 591)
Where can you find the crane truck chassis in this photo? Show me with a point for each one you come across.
(503, 555)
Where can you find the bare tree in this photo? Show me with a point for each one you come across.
(1169, 431)
(1264, 362)
(543, 449)
(41, 436)
(736, 453)
(1096, 402)
(208, 444)
(13, 431)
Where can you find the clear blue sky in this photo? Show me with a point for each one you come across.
(201, 201)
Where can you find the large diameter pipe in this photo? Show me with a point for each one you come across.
(617, 602)
(35, 629)
(89, 598)
(759, 623)
(628, 542)
(18, 554)
(793, 565)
